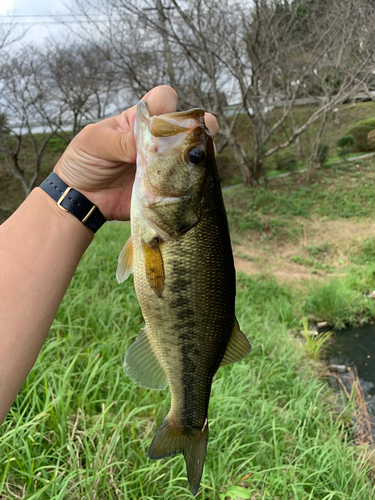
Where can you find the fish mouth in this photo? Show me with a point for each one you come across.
(169, 124)
(169, 200)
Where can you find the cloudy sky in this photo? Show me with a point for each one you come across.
(31, 12)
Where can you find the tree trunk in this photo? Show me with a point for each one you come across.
(313, 160)
(248, 178)
(299, 148)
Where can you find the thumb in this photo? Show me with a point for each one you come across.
(109, 143)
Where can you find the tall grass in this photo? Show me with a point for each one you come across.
(80, 429)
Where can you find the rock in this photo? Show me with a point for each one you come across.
(311, 333)
(322, 324)
(338, 368)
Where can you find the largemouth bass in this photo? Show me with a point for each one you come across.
(181, 257)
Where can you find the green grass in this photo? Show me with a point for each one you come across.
(80, 429)
(365, 254)
(278, 211)
(315, 256)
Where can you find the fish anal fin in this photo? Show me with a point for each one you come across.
(142, 364)
(154, 266)
(170, 440)
(238, 346)
(125, 262)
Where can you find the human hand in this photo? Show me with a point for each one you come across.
(100, 160)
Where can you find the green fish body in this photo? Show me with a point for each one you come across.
(181, 257)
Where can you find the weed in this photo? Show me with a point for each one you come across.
(317, 250)
(244, 256)
(314, 343)
(365, 254)
(315, 259)
(337, 303)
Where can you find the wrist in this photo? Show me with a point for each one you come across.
(64, 221)
(70, 200)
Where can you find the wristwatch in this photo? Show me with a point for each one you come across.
(71, 200)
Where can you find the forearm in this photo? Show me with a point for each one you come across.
(40, 247)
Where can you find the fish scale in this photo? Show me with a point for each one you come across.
(184, 278)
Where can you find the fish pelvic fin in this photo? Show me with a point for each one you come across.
(170, 440)
(142, 364)
(125, 262)
(238, 346)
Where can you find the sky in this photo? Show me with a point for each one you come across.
(41, 26)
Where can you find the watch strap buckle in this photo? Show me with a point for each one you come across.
(61, 199)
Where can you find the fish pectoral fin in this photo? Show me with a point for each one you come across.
(237, 348)
(170, 440)
(125, 262)
(142, 365)
(154, 266)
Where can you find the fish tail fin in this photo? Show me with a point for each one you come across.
(170, 440)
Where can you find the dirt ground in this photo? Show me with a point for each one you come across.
(268, 257)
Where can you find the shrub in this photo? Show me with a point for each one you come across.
(360, 131)
(371, 138)
(323, 154)
(288, 162)
(346, 141)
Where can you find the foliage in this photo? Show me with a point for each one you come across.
(365, 254)
(360, 132)
(323, 150)
(337, 303)
(318, 255)
(314, 343)
(57, 144)
(81, 429)
(345, 144)
(347, 141)
(286, 162)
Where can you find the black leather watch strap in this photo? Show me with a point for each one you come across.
(71, 200)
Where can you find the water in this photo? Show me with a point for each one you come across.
(355, 345)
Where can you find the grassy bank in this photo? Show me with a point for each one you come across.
(81, 429)
(323, 230)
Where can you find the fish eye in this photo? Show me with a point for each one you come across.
(196, 154)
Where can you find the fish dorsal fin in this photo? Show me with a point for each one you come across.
(154, 266)
(237, 348)
(142, 365)
(125, 262)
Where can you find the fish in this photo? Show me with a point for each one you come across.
(181, 257)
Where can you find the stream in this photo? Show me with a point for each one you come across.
(356, 345)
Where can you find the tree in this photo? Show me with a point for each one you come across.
(262, 54)
(31, 115)
(290, 51)
(83, 80)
